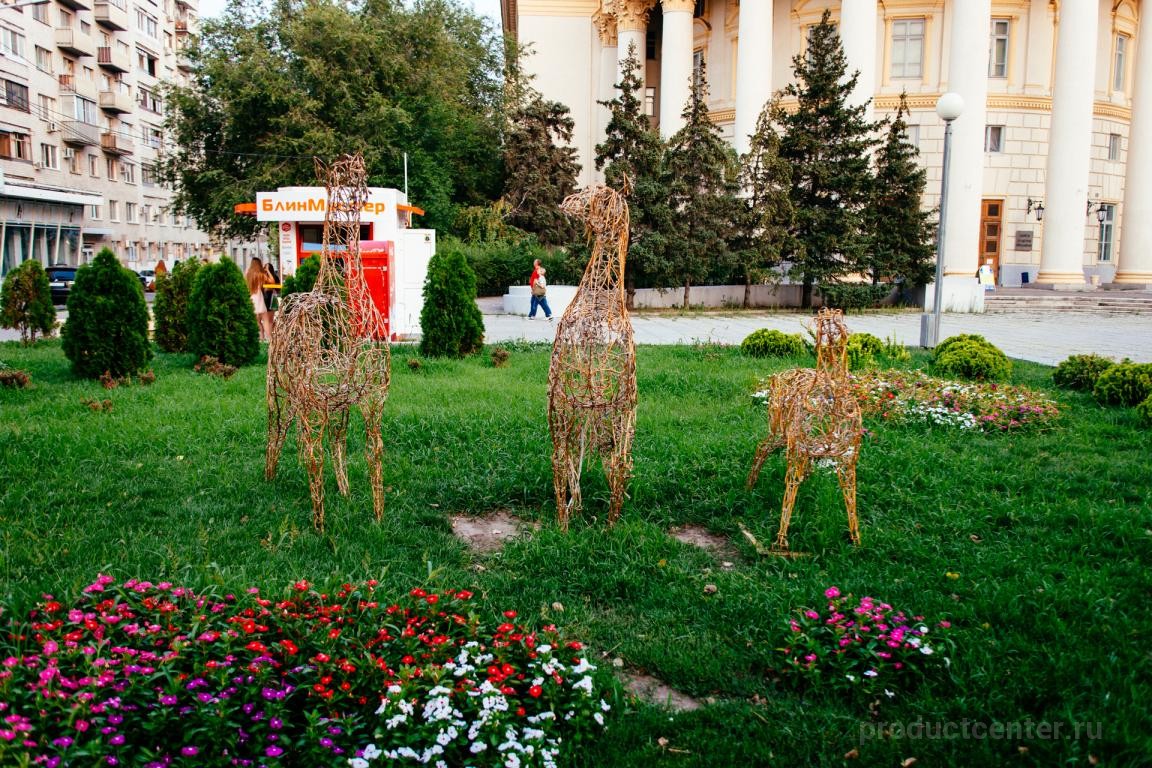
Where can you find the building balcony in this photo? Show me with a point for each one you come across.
(115, 101)
(111, 15)
(79, 134)
(77, 5)
(113, 60)
(71, 84)
(75, 42)
(183, 63)
(182, 28)
(116, 143)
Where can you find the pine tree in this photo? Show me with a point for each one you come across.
(901, 233)
(827, 142)
(450, 322)
(766, 219)
(107, 327)
(220, 319)
(633, 150)
(170, 308)
(541, 169)
(702, 175)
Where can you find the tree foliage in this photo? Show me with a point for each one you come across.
(827, 141)
(274, 86)
(221, 319)
(633, 150)
(901, 233)
(170, 307)
(702, 177)
(107, 327)
(304, 279)
(450, 321)
(26, 302)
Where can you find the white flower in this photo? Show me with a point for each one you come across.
(599, 718)
(871, 673)
(511, 761)
(584, 684)
(583, 667)
(371, 752)
(544, 649)
(889, 693)
(356, 762)
(605, 705)
(478, 747)
(927, 651)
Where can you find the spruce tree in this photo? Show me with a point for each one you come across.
(702, 176)
(221, 321)
(901, 234)
(107, 327)
(26, 302)
(827, 142)
(632, 150)
(541, 169)
(450, 322)
(766, 219)
(170, 307)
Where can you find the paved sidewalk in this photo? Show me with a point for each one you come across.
(1043, 337)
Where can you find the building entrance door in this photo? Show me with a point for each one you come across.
(991, 226)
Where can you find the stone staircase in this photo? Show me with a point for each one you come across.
(1039, 299)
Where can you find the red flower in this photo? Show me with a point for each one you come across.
(433, 599)
(509, 614)
(535, 691)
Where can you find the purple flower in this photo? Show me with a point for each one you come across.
(112, 760)
(168, 700)
(116, 740)
(273, 751)
(63, 742)
(190, 751)
(276, 724)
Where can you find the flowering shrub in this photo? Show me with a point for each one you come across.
(912, 396)
(865, 645)
(156, 675)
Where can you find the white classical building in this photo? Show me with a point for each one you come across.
(1048, 177)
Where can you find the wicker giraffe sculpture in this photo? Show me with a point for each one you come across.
(330, 351)
(592, 377)
(815, 416)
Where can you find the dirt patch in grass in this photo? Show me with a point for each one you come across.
(658, 692)
(488, 533)
(698, 536)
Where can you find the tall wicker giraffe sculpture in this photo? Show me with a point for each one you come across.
(592, 377)
(815, 416)
(330, 351)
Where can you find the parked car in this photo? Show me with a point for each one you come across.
(60, 279)
(148, 278)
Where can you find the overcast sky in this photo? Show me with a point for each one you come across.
(490, 8)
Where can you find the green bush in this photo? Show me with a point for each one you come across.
(107, 327)
(1124, 384)
(971, 358)
(854, 295)
(1081, 372)
(943, 346)
(221, 321)
(304, 279)
(450, 322)
(170, 308)
(862, 349)
(773, 343)
(1144, 411)
(501, 263)
(26, 302)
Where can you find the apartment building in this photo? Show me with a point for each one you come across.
(82, 130)
(1050, 177)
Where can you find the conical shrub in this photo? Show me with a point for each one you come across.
(26, 302)
(107, 327)
(221, 321)
(450, 322)
(170, 308)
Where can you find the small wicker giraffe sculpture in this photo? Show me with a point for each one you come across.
(816, 417)
(330, 351)
(592, 377)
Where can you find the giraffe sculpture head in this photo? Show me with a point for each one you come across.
(604, 212)
(831, 341)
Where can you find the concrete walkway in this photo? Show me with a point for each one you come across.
(1042, 336)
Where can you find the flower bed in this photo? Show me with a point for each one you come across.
(895, 395)
(859, 644)
(157, 675)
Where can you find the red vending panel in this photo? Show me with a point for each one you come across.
(376, 256)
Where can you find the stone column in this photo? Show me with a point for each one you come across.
(858, 36)
(609, 76)
(1069, 147)
(1134, 261)
(753, 68)
(632, 30)
(967, 76)
(675, 64)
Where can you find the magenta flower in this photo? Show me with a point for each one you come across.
(190, 751)
(273, 751)
(832, 593)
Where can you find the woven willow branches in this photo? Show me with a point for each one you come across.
(592, 377)
(814, 414)
(329, 350)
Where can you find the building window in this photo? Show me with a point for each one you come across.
(46, 106)
(146, 23)
(130, 213)
(912, 135)
(1120, 63)
(128, 174)
(43, 59)
(15, 96)
(146, 213)
(146, 62)
(40, 12)
(907, 48)
(153, 137)
(84, 110)
(73, 159)
(148, 100)
(1107, 232)
(110, 168)
(12, 42)
(148, 175)
(113, 210)
(15, 146)
(85, 28)
(48, 156)
(998, 48)
(94, 166)
(697, 66)
(1114, 146)
(94, 212)
(650, 101)
(993, 138)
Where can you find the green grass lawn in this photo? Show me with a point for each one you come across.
(1036, 546)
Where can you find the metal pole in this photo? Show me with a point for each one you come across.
(405, 176)
(938, 295)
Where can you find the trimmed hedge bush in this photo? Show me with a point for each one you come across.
(1124, 384)
(854, 295)
(107, 327)
(943, 346)
(26, 302)
(502, 263)
(170, 308)
(450, 322)
(1081, 372)
(1144, 411)
(221, 321)
(772, 343)
(304, 279)
(971, 357)
(862, 349)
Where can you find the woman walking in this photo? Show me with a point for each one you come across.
(256, 277)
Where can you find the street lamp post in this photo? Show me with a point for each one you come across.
(949, 106)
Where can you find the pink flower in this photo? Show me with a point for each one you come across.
(832, 592)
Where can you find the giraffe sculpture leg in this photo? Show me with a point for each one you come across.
(312, 450)
(765, 449)
(618, 468)
(373, 409)
(846, 474)
(338, 440)
(279, 421)
(797, 471)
